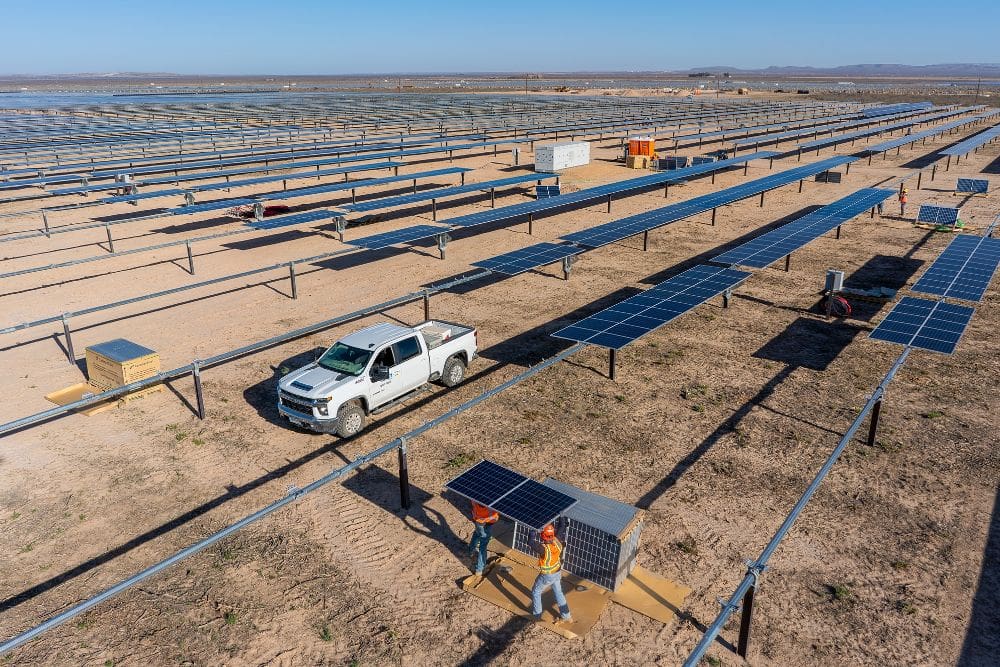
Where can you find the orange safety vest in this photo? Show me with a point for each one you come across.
(551, 560)
(484, 515)
(902, 199)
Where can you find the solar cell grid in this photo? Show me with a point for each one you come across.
(772, 246)
(543, 191)
(525, 259)
(398, 236)
(938, 215)
(964, 270)
(973, 185)
(486, 482)
(930, 325)
(533, 504)
(621, 324)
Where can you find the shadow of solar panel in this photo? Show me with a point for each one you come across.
(931, 325)
(974, 186)
(938, 215)
(210, 206)
(398, 236)
(486, 482)
(533, 504)
(625, 322)
(525, 259)
(287, 220)
(964, 270)
(772, 246)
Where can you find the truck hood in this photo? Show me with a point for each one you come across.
(315, 382)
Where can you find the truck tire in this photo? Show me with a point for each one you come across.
(454, 372)
(350, 419)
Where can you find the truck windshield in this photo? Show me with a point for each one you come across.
(345, 359)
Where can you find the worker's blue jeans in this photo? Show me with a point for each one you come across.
(544, 582)
(480, 540)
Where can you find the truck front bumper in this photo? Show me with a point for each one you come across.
(308, 422)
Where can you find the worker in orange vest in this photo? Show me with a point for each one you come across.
(483, 519)
(902, 202)
(550, 551)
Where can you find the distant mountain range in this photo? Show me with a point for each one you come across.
(991, 70)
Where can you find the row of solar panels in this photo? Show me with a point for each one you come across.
(934, 131)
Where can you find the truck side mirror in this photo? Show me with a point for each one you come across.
(380, 373)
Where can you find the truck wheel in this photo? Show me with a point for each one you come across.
(350, 419)
(454, 372)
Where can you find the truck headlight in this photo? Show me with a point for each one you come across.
(323, 409)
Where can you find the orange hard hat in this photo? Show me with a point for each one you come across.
(549, 532)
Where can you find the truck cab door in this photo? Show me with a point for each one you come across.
(412, 366)
(380, 387)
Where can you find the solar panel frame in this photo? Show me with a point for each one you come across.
(975, 186)
(397, 237)
(627, 321)
(524, 259)
(931, 325)
(964, 270)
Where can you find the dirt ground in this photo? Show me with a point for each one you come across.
(716, 424)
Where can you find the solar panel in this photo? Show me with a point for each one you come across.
(294, 219)
(438, 193)
(619, 325)
(964, 270)
(772, 246)
(534, 504)
(938, 215)
(701, 159)
(974, 186)
(141, 195)
(486, 482)
(210, 206)
(601, 235)
(360, 183)
(931, 325)
(544, 191)
(525, 259)
(975, 141)
(398, 236)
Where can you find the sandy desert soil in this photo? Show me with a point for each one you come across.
(716, 424)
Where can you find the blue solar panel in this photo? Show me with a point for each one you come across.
(619, 325)
(360, 183)
(288, 220)
(525, 259)
(142, 195)
(937, 215)
(964, 270)
(931, 325)
(701, 159)
(544, 191)
(397, 237)
(511, 494)
(772, 246)
(975, 141)
(976, 186)
(438, 193)
(880, 129)
(611, 232)
(210, 206)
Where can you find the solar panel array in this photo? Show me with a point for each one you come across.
(973, 142)
(525, 259)
(880, 129)
(288, 220)
(931, 325)
(976, 186)
(210, 206)
(625, 322)
(405, 235)
(438, 193)
(601, 235)
(361, 183)
(938, 215)
(964, 270)
(545, 191)
(772, 246)
(511, 494)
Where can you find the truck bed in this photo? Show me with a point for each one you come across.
(437, 333)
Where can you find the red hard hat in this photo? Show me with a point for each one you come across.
(549, 532)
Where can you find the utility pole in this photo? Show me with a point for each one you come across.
(979, 84)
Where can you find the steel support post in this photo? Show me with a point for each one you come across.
(45, 223)
(291, 280)
(531, 220)
(404, 475)
(190, 254)
(645, 236)
(920, 178)
(762, 200)
(70, 354)
(933, 172)
(788, 262)
(746, 618)
(111, 241)
(493, 198)
(198, 391)
(609, 203)
(873, 423)
(612, 362)
(427, 305)
(713, 217)
(800, 184)
(838, 230)
(434, 209)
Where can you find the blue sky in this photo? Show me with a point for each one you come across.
(333, 37)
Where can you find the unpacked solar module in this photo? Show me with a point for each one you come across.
(619, 325)
(287, 220)
(525, 259)
(398, 236)
(976, 186)
(931, 325)
(544, 191)
(534, 504)
(964, 270)
(772, 246)
(486, 482)
(938, 215)
(210, 206)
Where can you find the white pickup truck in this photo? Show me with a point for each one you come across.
(371, 370)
